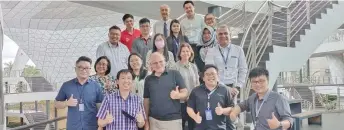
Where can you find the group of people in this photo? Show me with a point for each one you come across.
(187, 73)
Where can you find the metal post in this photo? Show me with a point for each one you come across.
(2, 98)
(271, 13)
(21, 112)
(36, 106)
(47, 107)
(338, 97)
(288, 27)
(313, 97)
(55, 116)
(308, 12)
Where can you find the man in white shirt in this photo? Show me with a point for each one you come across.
(231, 62)
(116, 51)
(192, 24)
(163, 26)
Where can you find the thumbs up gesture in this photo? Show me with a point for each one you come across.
(273, 122)
(140, 119)
(109, 117)
(219, 109)
(198, 118)
(72, 102)
(175, 93)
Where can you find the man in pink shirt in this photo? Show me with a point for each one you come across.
(130, 33)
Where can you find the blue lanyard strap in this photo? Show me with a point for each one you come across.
(209, 94)
(261, 105)
(222, 55)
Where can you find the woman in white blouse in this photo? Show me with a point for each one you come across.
(139, 73)
(189, 73)
(159, 45)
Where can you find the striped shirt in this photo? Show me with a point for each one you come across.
(118, 56)
(115, 104)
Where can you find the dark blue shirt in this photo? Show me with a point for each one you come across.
(91, 94)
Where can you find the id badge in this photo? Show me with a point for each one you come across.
(208, 115)
(227, 74)
(81, 107)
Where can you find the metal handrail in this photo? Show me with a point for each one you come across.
(29, 126)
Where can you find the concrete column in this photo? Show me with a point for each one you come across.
(216, 10)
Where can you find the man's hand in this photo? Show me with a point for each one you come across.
(198, 118)
(219, 109)
(72, 102)
(175, 94)
(233, 116)
(109, 117)
(234, 91)
(140, 119)
(273, 122)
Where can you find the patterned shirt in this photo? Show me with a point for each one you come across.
(116, 105)
(102, 81)
(118, 56)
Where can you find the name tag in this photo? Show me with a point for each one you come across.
(208, 115)
(81, 107)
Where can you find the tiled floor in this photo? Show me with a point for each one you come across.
(331, 121)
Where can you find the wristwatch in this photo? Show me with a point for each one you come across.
(280, 125)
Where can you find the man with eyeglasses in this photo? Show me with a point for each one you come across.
(163, 90)
(269, 110)
(144, 43)
(115, 50)
(82, 96)
(210, 103)
(210, 20)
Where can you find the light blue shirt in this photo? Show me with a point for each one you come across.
(192, 28)
(118, 56)
(234, 71)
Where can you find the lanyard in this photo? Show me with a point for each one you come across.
(209, 94)
(176, 41)
(136, 84)
(260, 107)
(81, 93)
(223, 57)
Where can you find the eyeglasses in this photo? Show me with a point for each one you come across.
(258, 82)
(209, 74)
(83, 69)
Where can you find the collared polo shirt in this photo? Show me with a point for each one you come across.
(115, 104)
(127, 38)
(91, 94)
(142, 46)
(118, 56)
(157, 89)
(198, 100)
(275, 102)
(231, 62)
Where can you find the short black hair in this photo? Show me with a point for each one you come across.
(187, 2)
(83, 58)
(143, 21)
(108, 70)
(258, 71)
(127, 16)
(114, 27)
(208, 66)
(124, 71)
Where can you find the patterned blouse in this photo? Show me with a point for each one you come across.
(102, 83)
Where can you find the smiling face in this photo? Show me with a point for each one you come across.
(125, 81)
(259, 84)
(164, 11)
(185, 53)
(175, 27)
(83, 69)
(210, 20)
(114, 35)
(135, 62)
(102, 66)
(210, 77)
(189, 9)
(206, 35)
(223, 35)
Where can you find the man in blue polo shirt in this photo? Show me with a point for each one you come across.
(82, 96)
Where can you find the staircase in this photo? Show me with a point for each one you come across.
(39, 84)
(39, 117)
(282, 38)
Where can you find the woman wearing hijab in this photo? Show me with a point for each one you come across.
(208, 40)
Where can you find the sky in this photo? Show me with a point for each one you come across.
(10, 50)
